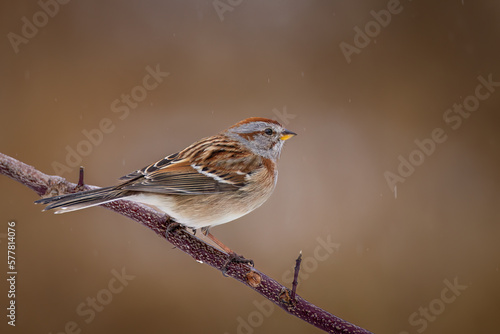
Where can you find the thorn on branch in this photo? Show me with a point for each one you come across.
(287, 296)
(81, 183)
(296, 275)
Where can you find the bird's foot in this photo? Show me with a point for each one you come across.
(173, 227)
(235, 258)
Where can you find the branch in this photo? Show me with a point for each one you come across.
(47, 185)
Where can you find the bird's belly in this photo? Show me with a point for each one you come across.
(197, 211)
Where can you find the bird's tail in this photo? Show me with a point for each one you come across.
(82, 200)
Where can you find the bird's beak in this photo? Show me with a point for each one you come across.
(287, 134)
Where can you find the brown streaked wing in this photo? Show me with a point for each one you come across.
(151, 168)
(181, 179)
(212, 165)
(228, 162)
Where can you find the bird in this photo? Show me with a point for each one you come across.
(213, 181)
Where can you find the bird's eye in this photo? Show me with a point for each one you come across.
(268, 131)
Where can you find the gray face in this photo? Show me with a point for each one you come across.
(262, 138)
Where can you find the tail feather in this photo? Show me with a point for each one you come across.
(82, 200)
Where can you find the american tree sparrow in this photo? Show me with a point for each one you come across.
(214, 181)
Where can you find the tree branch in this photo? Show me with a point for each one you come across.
(46, 185)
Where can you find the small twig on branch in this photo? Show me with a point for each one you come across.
(296, 276)
(46, 185)
(81, 183)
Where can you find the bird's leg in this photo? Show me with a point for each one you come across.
(232, 256)
(217, 241)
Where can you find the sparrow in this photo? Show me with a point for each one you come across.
(211, 182)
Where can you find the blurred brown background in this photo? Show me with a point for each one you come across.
(393, 256)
